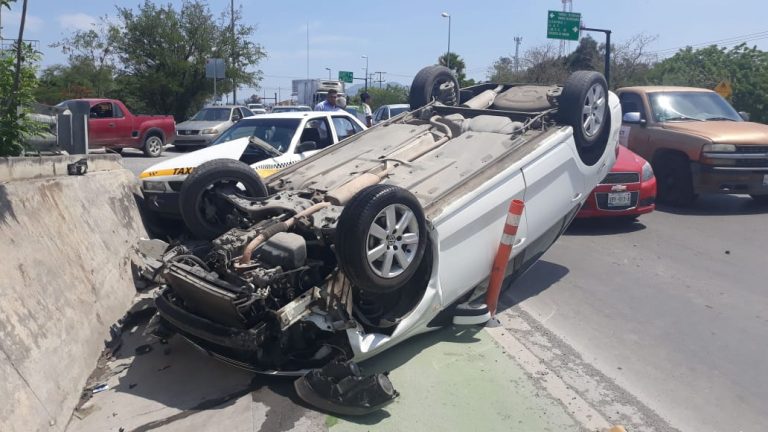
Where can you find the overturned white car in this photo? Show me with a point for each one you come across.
(392, 232)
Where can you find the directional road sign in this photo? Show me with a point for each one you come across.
(345, 76)
(563, 25)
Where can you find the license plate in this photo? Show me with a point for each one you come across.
(765, 179)
(621, 199)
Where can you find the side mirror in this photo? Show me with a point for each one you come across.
(633, 118)
(306, 146)
(235, 119)
(744, 115)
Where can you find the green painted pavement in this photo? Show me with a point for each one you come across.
(457, 380)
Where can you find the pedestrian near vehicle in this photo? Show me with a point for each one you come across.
(341, 102)
(329, 104)
(365, 98)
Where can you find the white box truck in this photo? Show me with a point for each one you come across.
(313, 91)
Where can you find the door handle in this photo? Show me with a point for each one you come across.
(111, 125)
(576, 197)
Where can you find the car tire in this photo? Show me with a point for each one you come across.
(376, 253)
(153, 145)
(583, 104)
(426, 86)
(760, 199)
(674, 180)
(196, 199)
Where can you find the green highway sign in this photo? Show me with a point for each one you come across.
(563, 25)
(345, 76)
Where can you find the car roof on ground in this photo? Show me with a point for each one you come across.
(655, 89)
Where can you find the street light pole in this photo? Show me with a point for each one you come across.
(234, 46)
(366, 71)
(329, 72)
(448, 55)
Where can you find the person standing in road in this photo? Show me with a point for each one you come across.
(329, 104)
(365, 98)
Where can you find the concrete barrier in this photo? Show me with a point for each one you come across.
(66, 244)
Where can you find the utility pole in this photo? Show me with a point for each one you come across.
(234, 47)
(380, 80)
(518, 40)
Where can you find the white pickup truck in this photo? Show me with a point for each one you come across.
(393, 231)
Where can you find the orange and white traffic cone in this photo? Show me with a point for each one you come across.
(502, 255)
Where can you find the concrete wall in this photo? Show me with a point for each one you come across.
(65, 248)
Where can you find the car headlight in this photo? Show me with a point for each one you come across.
(647, 172)
(719, 148)
(154, 186)
(209, 131)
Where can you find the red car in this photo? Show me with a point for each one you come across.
(628, 191)
(112, 125)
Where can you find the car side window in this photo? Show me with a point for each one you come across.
(117, 111)
(236, 114)
(631, 102)
(377, 114)
(246, 112)
(102, 110)
(344, 127)
(320, 133)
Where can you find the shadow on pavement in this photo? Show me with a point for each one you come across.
(604, 226)
(541, 276)
(154, 374)
(717, 205)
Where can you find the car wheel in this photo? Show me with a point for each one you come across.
(584, 106)
(381, 237)
(760, 199)
(205, 214)
(434, 82)
(674, 180)
(153, 145)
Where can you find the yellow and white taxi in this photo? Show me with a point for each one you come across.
(267, 142)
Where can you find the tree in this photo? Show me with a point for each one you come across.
(744, 67)
(17, 82)
(153, 58)
(457, 66)
(630, 61)
(503, 71)
(543, 65)
(585, 56)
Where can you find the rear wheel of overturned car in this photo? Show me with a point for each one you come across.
(153, 145)
(434, 82)
(205, 213)
(583, 104)
(381, 237)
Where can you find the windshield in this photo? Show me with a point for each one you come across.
(212, 114)
(701, 106)
(276, 132)
(395, 111)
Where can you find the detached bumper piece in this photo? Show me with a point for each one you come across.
(338, 388)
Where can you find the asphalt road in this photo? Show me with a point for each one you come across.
(674, 309)
(135, 161)
(668, 315)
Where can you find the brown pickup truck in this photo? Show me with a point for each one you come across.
(696, 143)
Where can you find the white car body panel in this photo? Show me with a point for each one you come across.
(475, 223)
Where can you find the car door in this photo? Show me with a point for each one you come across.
(344, 127)
(123, 126)
(317, 130)
(102, 128)
(555, 190)
(634, 135)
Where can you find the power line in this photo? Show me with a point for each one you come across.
(727, 41)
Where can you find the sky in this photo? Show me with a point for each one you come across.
(399, 37)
